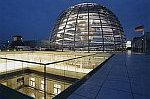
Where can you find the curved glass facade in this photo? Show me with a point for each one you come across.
(88, 27)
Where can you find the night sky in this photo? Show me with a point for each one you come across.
(34, 19)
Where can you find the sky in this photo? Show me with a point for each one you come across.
(35, 19)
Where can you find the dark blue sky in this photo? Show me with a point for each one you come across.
(34, 19)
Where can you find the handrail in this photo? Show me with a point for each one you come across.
(47, 63)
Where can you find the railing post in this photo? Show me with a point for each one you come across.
(44, 81)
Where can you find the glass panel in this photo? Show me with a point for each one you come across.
(46, 73)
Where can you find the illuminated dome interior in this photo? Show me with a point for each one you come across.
(88, 27)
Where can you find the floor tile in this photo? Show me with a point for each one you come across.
(107, 93)
(74, 96)
(118, 85)
(87, 91)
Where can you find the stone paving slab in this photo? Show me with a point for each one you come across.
(122, 77)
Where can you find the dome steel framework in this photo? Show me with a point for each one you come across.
(88, 27)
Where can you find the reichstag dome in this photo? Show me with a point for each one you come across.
(88, 27)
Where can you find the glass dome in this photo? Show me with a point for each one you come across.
(88, 27)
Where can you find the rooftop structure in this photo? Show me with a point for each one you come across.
(88, 27)
(141, 44)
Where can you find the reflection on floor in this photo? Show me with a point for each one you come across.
(33, 85)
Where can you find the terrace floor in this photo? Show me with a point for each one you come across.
(122, 77)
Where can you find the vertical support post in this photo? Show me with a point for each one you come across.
(49, 43)
(145, 45)
(22, 68)
(44, 81)
(64, 29)
(114, 38)
(142, 45)
(63, 39)
(102, 30)
(113, 32)
(88, 31)
(75, 29)
(122, 43)
(6, 68)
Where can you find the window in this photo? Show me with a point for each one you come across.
(20, 82)
(42, 84)
(57, 89)
(32, 82)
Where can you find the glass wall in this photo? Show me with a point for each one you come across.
(55, 71)
(33, 85)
